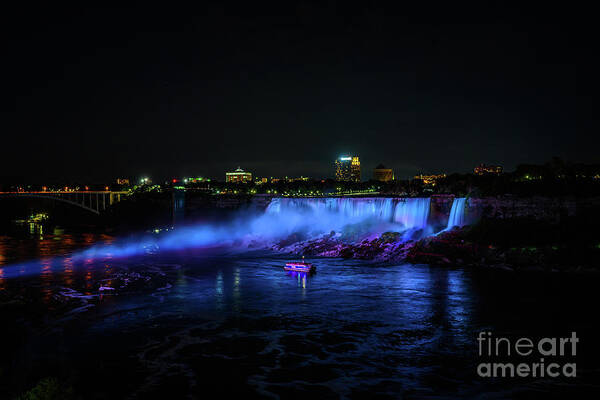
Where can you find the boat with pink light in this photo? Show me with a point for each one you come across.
(300, 266)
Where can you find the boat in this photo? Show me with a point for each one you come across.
(299, 266)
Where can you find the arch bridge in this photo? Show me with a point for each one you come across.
(93, 201)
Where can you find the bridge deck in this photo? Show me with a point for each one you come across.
(91, 200)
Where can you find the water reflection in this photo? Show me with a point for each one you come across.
(459, 299)
(414, 292)
(21, 246)
(47, 280)
(237, 303)
(68, 271)
(377, 328)
(302, 278)
(219, 291)
(88, 277)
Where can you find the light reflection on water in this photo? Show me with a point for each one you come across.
(219, 291)
(301, 278)
(46, 278)
(237, 290)
(354, 327)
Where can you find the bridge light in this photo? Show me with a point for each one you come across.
(87, 188)
(106, 188)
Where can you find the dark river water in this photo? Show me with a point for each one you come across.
(182, 325)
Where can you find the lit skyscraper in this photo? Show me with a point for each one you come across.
(347, 168)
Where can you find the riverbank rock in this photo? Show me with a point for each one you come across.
(494, 244)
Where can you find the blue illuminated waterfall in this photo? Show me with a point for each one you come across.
(457, 213)
(412, 213)
(350, 219)
(341, 209)
(333, 213)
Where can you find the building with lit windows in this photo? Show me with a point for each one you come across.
(122, 181)
(290, 179)
(383, 174)
(430, 180)
(198, 179)
(347, 168)
(483, 169)
(238, 176)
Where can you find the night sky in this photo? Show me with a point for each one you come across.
(283, 90)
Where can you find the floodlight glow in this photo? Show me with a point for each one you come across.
(312, 217)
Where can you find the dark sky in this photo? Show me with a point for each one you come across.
(283, 90)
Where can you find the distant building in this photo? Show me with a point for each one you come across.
(260, 181)
(198, 179)
(483, 169)
(383, 174)
(430, 179)
(297, 179)
(238, 176)
(122, 181)
(347, 168)
(290, 179)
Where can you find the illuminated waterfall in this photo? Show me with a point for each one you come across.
(351, 218)
(337, 210)
(457, 213)
(412, 213)
(333, 213)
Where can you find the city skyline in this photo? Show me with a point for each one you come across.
(341, 173)
(320, 169)
(364, 173)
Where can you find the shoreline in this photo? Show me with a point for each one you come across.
(453, 248)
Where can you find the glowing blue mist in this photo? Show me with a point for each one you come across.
(457, 213)
(310, 217)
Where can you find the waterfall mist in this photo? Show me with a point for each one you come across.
(351, 219)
